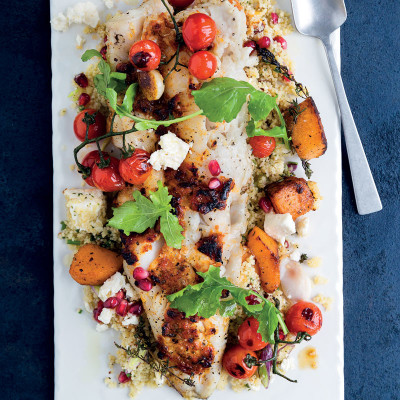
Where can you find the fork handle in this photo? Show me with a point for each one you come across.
(366, 194)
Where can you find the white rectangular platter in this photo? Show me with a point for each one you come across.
(81, 353)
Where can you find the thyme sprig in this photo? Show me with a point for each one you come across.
(269, 58)
(294, 110)
(307, 168)
(144, 350)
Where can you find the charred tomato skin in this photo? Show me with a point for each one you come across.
(233, 362)
(248, 336)
(136, 168)
(145, 55)
(108, 179)
(198, 31)
(180, 4)
(89, 160)
(304, 317)
(262, 146)
(203, 65)
(95, 130)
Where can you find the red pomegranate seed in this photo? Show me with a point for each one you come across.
(264, 42)
(105, 39)
(103, 52)
(120, 295)
(145, 285)
(122, 308)
(135, 308)
(140, 273)
(282, 41)
(214, 183)
(265, 204)
(214, 168)
(123, 378)
(252, 44)
(274, 18)
(111, 302)
(81, 80)
(97, 311)
(83, 99)
(252, 300)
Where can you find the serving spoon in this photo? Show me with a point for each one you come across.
(320, 18)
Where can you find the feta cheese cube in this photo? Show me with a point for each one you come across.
(86, 209)
(83, 13)
(106, 315)
(278, 226)
(112, 286)
(173, 152)
(302, 226)
(295, 255)
(101, 327)
(60, 22)
(130, 320)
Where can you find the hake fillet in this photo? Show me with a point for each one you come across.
(212, 230)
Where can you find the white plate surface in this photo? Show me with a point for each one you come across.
(81, 354)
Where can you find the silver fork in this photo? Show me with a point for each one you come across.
(319, 18)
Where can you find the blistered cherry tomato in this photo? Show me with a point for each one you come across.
(262, 146)
(248, 336)
(233, 362)
(198, 31)
(89, 160)
(145, 55)
(264, 42)
(304, 317)
(136, 168)
(203, 64)
(95, 130)
(108, 179)
(180, 3)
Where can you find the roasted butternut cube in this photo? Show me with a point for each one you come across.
(291, 195)
(265, 250)
(305, 128)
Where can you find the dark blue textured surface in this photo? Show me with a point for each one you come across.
(370, 65)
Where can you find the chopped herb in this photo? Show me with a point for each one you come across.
(63, 225)
(307, 168)
(79, 310)
(303, 257)
(74, 242)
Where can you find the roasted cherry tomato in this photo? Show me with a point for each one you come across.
(198, 31)
(248, 336)
(108, 179)
(304, 317)
(145, 55)
(203, 64)
(234, 364)
(180, 3)
(89, 160)
(136, 168)
(262, 146)
(98, 128)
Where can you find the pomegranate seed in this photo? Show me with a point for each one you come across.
(214, 183)
(120, 295)
(252, 44)
(81, 80)
(274, 18)
(140, 273)
(214, 168)
(105, 39)
(252, 300)
(103, 52)
(286, 244)
(264, 42)
(265, 204)
(145, 285)
(122, 308)
(97, 311)
(111, 302)
(123, 378)
(83, 99)
(135, 309)
(282, 41)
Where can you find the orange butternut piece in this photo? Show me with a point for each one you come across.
(306, 130)
(265, 250)
(291, 195)
(93, 265)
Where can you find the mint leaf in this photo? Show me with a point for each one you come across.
(88, 54)
(260, 105)
(222, 98)
(204, 299)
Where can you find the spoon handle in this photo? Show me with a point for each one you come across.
(366, 194)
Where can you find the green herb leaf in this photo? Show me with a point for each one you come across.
(204, 299)
(129, 98)
(88, 54)
(111, 96)
(261, 104)
(100, 84)
(137, 216)
(74, 242)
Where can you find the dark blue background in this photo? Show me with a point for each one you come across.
(370, 65)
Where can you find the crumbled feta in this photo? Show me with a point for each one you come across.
(287, 364)
(80, 41)
(295, 255)
(130, 320)
(279, 226)
(83, 13)
(101, 327)
(302, 225)
(112, 286)
(106, 315)
(60, 22)
(109, 3)
(86, 209)
(173, 152)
